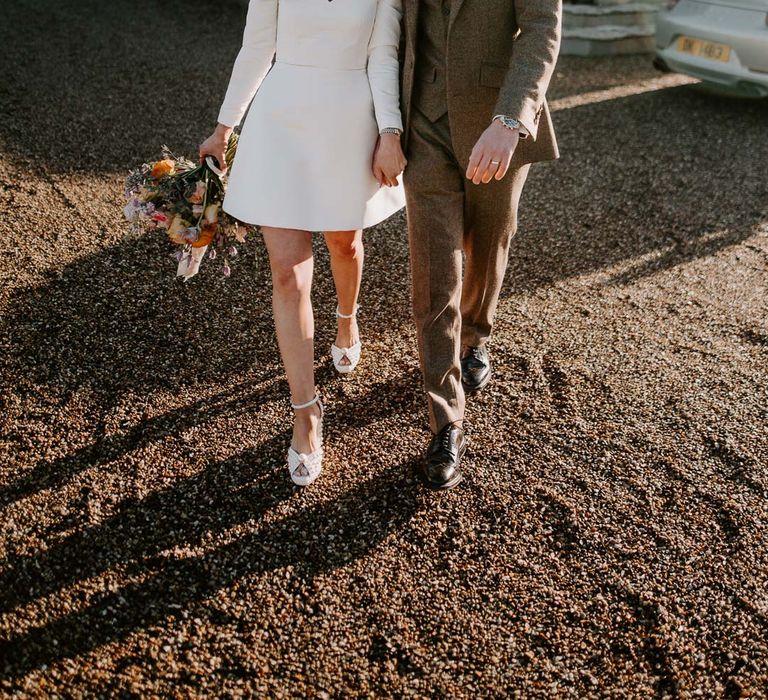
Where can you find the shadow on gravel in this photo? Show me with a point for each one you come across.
(244, 399)
(138, 539)
(118, 321)
(117, 324)
(98, 87)
(649, 182)
(403, 397)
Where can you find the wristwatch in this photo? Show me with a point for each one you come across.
(509, 122)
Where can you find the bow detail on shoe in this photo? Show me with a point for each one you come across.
(351, 355)
(305, 468)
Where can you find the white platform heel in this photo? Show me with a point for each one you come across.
(305, 468)
(352, 355)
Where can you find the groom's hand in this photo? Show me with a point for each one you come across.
(492, 153)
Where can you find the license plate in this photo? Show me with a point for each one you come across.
(704, 49)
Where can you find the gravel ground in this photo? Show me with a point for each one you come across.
(609, 540)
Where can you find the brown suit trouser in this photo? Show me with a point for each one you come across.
(448, 216)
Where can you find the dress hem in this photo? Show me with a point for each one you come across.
(345, 226)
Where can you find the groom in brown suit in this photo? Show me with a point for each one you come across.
(475, 75)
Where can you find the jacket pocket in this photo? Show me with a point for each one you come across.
(427, 74)
(492, 75)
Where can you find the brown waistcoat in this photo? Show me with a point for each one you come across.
(482, 58)
(430, 94)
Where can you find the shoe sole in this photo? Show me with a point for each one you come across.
(455, 481)
(304, 480)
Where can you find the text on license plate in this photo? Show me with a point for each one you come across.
(704, 49)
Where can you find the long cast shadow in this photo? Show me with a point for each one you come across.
(214, 500)
(659, 178)
(99, 86)
(385, 504)
(117, 321)
(52, 474)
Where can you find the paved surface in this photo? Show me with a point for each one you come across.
(609, 540)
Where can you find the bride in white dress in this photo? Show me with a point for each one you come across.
(319, 152)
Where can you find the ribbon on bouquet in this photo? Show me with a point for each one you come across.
(211, 163)
(189, 265)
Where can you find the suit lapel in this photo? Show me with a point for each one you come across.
(456, 6)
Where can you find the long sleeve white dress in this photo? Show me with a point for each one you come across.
(305, 155)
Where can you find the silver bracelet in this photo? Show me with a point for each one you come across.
(391, 130)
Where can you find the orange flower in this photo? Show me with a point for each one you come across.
(163, 168)
(207, 233)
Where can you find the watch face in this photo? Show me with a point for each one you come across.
(509, 122)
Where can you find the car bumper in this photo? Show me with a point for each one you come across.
(744, 32)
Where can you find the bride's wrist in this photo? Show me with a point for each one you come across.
(224, 129)
(390, 140)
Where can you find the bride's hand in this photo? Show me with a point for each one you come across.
(388, 160)
(216, 145)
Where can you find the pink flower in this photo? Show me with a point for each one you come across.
(199, 194)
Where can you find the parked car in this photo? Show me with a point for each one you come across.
(724, 43)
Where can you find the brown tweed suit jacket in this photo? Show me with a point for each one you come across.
(500, 57)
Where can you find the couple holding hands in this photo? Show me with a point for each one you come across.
(361, 107)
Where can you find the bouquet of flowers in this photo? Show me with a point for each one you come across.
(184, 199)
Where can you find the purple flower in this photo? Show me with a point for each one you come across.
(226, 271)
(132, 210)
(191, 234)
(232, 251)
(212, 254)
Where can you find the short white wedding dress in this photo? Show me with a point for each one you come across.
(324, 74)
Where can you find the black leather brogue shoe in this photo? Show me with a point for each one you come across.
(476, 369)
(442, 467)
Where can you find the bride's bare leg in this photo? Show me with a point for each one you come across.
(291, 261)
(347, 255)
